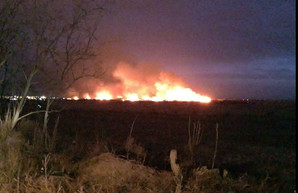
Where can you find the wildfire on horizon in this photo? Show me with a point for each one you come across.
(144, 83)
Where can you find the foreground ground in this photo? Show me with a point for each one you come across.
(255, 152)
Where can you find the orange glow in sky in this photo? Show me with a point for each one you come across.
(145, 83)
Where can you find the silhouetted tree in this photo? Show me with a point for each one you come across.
(51, 39)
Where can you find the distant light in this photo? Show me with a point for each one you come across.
(42, 98)
(31, 97)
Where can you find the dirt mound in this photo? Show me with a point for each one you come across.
(107, 173)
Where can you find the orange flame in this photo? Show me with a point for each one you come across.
(75, 98)
(104, 95)
(87, 96)
(144, 82)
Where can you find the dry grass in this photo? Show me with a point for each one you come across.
(33, 174)
(132, 147)
(11, 145)
(25, 167)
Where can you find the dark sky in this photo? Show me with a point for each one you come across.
(223, 48)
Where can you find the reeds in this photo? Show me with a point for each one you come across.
(194, 136)
(132, 147)
(215, 149)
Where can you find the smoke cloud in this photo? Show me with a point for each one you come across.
(136, 81)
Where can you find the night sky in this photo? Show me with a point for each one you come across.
(223, 48)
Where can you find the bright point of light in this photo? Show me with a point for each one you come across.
(76, 98)
(42, 97)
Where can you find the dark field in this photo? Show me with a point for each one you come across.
(257, 139)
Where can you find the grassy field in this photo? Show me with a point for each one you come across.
(255, 150)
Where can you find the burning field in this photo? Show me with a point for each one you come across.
(140, 129)
(137, 96)
(142, 82)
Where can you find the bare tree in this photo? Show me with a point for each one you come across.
(50, 41)
(65, 42)
(56, 38)
(10, 37)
